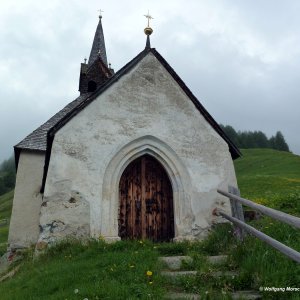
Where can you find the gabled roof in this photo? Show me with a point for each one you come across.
(41, 139)
(37, 140)
(235, 153)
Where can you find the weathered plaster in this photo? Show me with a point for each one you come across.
(24, 223)
(144, 112)
(65, 214)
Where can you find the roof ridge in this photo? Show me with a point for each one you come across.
(235, 152)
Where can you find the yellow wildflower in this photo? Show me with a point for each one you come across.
(149, 273)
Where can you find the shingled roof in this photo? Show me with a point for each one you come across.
(37, 140)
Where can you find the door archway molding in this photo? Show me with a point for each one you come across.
(176, 170)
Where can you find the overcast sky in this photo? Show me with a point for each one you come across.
(240, 58)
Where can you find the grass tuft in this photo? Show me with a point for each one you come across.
(96, 270)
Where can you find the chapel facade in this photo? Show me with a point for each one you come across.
(135, 156)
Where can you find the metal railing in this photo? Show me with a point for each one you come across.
(241, 227)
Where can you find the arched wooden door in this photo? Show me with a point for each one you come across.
(146, 201)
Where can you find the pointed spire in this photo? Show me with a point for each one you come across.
(98, 48)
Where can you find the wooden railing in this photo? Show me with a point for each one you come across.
(241, 227)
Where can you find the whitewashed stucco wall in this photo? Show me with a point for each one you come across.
(25, 217)
(146, 102)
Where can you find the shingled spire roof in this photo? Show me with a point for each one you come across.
(98, 48)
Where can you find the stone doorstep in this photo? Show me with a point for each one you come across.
(217, 259)
(174, 262)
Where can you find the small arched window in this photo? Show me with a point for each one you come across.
(92, 86)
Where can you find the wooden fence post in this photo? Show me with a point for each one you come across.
(237, 212)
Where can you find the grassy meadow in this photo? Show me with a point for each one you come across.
(271, 178)
(96, 270)
(5, 212)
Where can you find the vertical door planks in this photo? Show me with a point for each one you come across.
(146, 201)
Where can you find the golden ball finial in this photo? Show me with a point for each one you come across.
(148, 30)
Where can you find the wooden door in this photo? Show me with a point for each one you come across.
(146, 201)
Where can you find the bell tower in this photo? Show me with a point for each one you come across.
(97, 71)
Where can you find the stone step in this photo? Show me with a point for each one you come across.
(182, 296)
(217, 259)
(174, 274)
(238, 295)
(174, 262)
(218, 274)
(246, 295)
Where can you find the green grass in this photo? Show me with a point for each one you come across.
(94, 271)
(118, 271)
(6, 205)
(5, 212)
(271, 178)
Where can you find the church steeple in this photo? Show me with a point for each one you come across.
(98, 48)
(96, 72)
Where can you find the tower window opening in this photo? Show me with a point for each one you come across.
(92, 86)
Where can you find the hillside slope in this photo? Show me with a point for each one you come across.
(5, 212)
(270, 177)
(97, 270)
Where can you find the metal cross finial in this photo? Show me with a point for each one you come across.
(148, 17)
(100, 13)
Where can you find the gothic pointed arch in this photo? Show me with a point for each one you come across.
(175, 169)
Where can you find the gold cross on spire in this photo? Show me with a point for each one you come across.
(100, 13)
(148, 17)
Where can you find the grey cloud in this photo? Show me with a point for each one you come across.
(241, 59)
